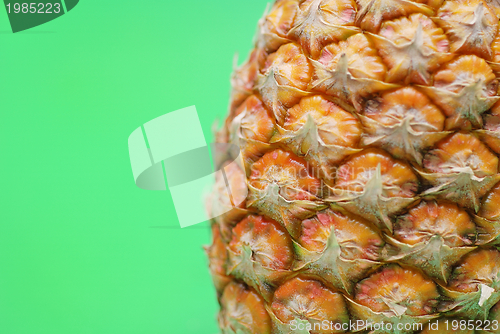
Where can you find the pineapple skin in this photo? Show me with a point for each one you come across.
(368, 184)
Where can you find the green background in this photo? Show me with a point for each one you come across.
(78, 253)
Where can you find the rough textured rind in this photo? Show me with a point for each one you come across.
(370, 137)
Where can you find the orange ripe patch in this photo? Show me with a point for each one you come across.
(362, 57)
(463, 71)
(275, 26)
(460, 151)
(228, 207)
(289, 66)
(309, 300)
(413, 48)
(490, 209)
(242, 309)
(256, 124)
(217, 256)
(320, 22)
(350, 70)
(237, 185)
(479, 267)
(432, 3)
(356, 238)
(217, 252)
(495, 46)
(288, 172)
(396, 287)
(393, 107)
(270, 245)
(431, 218)
(471, 24)
(280, 18)
(283, 81)
(398, 180)
(335, 125)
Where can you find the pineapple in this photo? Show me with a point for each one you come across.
(367, 188)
